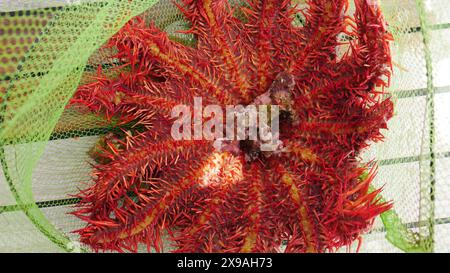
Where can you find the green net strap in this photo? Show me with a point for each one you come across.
(428, 178)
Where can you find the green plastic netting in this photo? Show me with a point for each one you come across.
(49, 47)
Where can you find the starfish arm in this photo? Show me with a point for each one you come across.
(354, 206)
(187, 239)
(100, 96)
(301, 152)
(269, 31)
(197, 237)
(361, 121)
(112, 98)
(219, 34)
(175, 61)
(305, 222)
(347, 106)
(367, 64)
(208, 232)
(324, 21)
(130, 165)
(257, 214)
(146, 222)
(232, 219)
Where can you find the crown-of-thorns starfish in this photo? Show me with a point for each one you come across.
(314, 195)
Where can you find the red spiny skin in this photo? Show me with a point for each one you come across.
(314, 195)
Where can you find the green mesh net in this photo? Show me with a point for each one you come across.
(49, 47)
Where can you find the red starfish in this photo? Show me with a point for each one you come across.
(314, 195)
